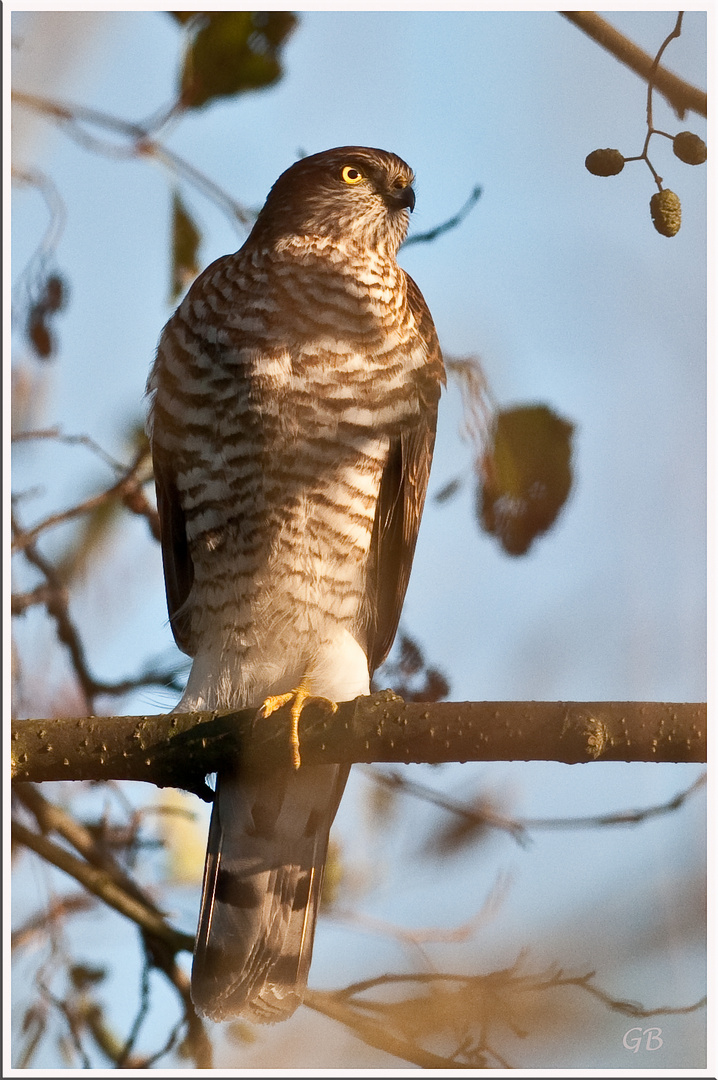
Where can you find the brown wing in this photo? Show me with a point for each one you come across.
(176, 557)
(402, 494)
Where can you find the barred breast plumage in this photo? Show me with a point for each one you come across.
(294, 401)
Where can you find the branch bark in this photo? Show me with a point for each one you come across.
(681, 95)
(179, 749)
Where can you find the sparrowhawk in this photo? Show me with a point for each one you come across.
(293, 412)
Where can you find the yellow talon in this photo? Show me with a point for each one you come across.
(274, 702)
(300, 695)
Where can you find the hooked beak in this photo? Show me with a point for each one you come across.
(401, 198)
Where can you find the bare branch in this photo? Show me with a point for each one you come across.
(56, 212)
(57, 608)
(138, 144)
(89, 1014)
(52, 818)
(56, 435)
(39, 924)
(102, 884)
(53, 595)
(554, 978)
(682, 96)
(20, 602)
(104, 877)
(485, 816)
(481, 1005)
(450, 223)
(179, 749)
(128, 489)
(197, 1043)
(377, 1035)
(415, 937)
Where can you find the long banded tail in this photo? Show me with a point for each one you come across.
(263, 875)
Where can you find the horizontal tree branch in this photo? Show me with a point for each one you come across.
(179, 749)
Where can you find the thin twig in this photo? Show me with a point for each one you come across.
(417, 938)
(128, 489)
(675, 33)
(124, 1055)
(56, 435)
(38, 924)
(372, 1019)
(20, 602)
(553, 979)
(483, 817)
(52, 818)
(102, 884)
(377, 1035)
(450, 223)
(54, 594)
(519, 827)
(197, 1043)
(71, 1018)
(53, 231)
(141, 145)
(650, 130)
(57, 608)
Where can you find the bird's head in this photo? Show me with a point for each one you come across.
(354, 194)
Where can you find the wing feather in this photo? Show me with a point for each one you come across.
(402, 494)
(176, 556)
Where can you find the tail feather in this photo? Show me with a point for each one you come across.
(263, 875)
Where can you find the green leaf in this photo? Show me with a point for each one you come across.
(231, 52)
(186, 239)
(525, 475)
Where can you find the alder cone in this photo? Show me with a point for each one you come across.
(605, 162)
(690, 148)
(666, 212)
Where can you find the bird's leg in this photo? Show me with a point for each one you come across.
(300, 694)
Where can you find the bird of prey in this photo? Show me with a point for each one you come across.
(293, 405)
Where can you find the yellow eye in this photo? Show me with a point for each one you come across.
(350, 175)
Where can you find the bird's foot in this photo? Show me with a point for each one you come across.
(299, 696)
